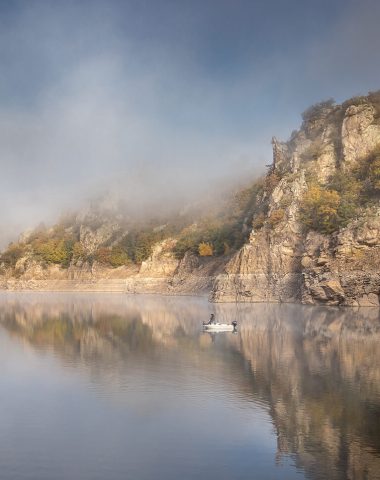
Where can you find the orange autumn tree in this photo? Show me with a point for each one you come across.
(205, 249)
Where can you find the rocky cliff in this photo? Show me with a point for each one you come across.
(309, 231)
(160, 273)
(98, 262)
(319, 241)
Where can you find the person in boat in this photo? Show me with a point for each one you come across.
(212, 320)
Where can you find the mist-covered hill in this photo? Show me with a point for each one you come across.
(309, 230)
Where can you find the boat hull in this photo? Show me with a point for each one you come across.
(219, 328)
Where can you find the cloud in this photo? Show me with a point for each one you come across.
(104, 126)
(162, 100)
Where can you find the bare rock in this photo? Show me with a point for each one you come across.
(162, 262)
(360, 134)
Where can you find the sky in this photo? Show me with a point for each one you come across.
(161, 100)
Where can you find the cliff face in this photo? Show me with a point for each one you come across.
(307, 232)
(284, 261)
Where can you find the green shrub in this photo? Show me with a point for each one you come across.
(318, 110)
(222, 238)
(115, 256)
(355, 101)
(368, 172)
(229, 228)
(58, 251)
(319, 210)
(78, 251)
(118, 256)
(138, 245)
(103, 255)
(374, 98)
(349, 190)
(188, 242)
(330, 208)
(12, 255)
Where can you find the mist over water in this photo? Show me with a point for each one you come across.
(115, 386)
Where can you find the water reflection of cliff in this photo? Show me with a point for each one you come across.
(320, 371)
(317, 370)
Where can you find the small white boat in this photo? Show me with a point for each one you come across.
(220, 327)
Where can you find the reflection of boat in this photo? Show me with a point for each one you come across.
(220, 327)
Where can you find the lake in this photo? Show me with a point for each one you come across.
(109, 386)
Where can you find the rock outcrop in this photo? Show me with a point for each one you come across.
(269, 253)
(344, 269)
(282, 262)
(360, 133)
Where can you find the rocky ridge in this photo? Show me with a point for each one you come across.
(279, 257)
(284, 263)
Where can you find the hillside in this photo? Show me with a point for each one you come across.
(319, 238)
(307, 231)
(103, 247)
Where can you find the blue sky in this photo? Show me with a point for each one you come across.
(164, 95)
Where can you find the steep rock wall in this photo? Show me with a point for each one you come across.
(282, 262)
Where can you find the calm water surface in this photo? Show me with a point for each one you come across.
(119, 387)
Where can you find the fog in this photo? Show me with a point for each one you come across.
(160, 101)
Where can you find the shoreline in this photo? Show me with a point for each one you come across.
(200, 295)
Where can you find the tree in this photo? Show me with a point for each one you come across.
(318, 110)
(11, 255)
(370, 171)
(54, 250)
(319, 210)
(115, 256)
(118, 256)
(205, 249)
(367, 173)
(78, 251)
(103, 255)
(138, 245)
